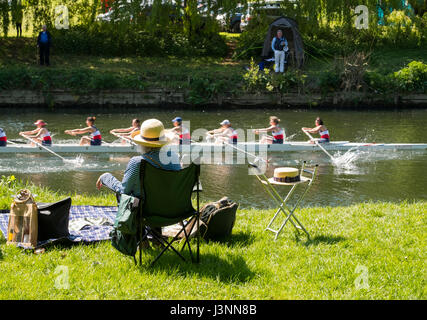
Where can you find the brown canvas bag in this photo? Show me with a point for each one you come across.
(22, 227)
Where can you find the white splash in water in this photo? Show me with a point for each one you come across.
(291, 137)
(348, 159)
(78, 161)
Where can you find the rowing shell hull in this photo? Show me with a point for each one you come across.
(210, 147)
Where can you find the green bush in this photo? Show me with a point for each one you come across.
(122, 40)
(403, 30)
(257, 81)
(379, 82)
(80, 80)
(329, 81)
(413, 77)
(202, 89)
(254, 80)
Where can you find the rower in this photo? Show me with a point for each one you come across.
(40, 134)
(224, 134)
(127, 132)
(321, 129)
(3, 138)
(180, 131)
(94, 139)
(277, 132)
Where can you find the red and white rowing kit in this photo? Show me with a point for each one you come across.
(278, 136)
(3, 135)
(96, 135)
(46, 138)
(234, 136)
(324, 134)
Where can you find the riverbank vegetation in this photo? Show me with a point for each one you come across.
(382, 71)
(364, 251)
(180, 47)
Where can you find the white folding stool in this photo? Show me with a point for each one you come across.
(289, 213)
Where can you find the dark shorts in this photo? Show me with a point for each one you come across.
(323, 140)
(234, 141)
(3, 143)
(47, 143)
(95, 142)
(277, 141)
(181, 142)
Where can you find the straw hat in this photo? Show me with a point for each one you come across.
(151, 134)
(287, 176)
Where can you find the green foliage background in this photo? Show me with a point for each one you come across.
(132, 28)
(328, 26)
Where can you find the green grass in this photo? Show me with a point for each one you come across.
(155, 72)
(174, 72)
(385, 238)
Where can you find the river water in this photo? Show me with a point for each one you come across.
(369, 176)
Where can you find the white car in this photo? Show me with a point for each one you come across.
(271, 8)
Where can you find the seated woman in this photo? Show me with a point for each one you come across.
(181, 133)
(3, 138)
(150, 139)
(94, 139)
(319, 128)
(127, 132)
(224, 134)
(40, 135)
(277, 132)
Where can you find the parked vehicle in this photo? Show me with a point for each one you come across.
(269, 8)
(231, 22)
(228, 20)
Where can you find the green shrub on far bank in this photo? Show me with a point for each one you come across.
(79, 79)
(257, 81)
(204, 79)
(412, 78)
(123, 40)
(379, 83)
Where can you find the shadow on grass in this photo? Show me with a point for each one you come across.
(322, 239)
(235, 240)
(227, 268)
(2, 241)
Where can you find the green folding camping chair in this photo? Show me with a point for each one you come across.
(167, 201)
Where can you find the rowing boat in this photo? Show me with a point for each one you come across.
(213, 147)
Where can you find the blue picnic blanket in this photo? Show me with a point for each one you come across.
(87, 234)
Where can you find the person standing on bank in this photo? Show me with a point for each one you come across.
(17, 16)
(44, 41)
(279, 45)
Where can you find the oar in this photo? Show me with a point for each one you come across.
(11, 142)
(42, 146)
(244, 151)
(318, 144)
(124, 138)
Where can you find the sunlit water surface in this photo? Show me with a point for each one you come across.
(357, 176)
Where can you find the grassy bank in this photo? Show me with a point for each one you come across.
(204, 77)
(365, 251)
